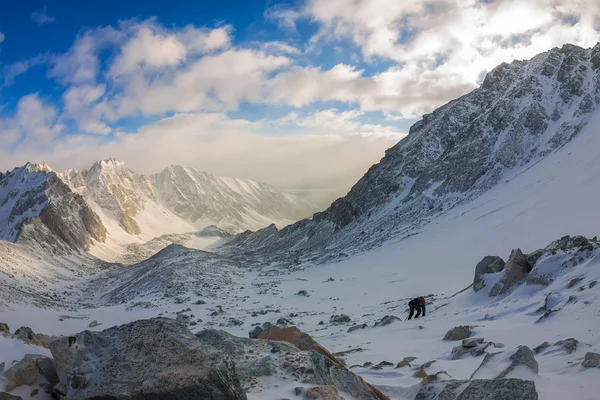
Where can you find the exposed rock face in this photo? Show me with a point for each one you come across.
(27, 371)
(161, 358)
(516, 269)
(388, 319)
(523, 356)
(458, 333)
(592, 360)
(4, 328)
(489, 265)
(26, 334)
(323, 393)
(34, 194)
(478, 389)
(7, 396)
(522, 112)
(570, 345)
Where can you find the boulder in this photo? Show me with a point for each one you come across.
(574, 282)
(340, 319)
(4, 328)
(478, 389)
(26, 334)
(93, 324)
(472, 342)
(388, 319)
(516, 269)
(541, 347)
(458, 333)
(254, 333)
(489, 265)
(302, 293)
(23, 373)
(570, 345)
(8, 396)
(27, 371)
(159, 358)
(357, 327)
(523, 356)
(323, 393)
(591, 360)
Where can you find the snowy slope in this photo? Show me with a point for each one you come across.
(523, 113)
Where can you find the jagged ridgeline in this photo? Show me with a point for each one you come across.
(521, 113)
(69, 210)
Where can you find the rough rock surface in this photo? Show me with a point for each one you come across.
(592, 360)
(516, 269)
(26, 334)
(479, 389)
(27, 371)
(4, 328)
(388, 319)
(570, 345)
(159, 358)
(323, 393)
(489, 265)
(523, 356)
(458, 333)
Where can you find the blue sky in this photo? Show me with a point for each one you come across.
(297, 93)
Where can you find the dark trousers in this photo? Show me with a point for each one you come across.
(420, 309)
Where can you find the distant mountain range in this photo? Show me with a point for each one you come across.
(75, 209)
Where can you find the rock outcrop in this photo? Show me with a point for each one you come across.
(159, 358)
(458, 333)
(478, 389)
(489, 265)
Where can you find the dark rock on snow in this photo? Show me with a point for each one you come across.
(478, 389)
(592, 360)
(458, 333)
(523, 356)
(489, 265)
(388, 319)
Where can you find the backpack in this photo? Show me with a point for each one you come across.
(421, 301)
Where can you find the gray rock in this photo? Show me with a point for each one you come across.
(388, 319)
(302, 293)
(7, 396)
(489, 265)
(23, 373)
(479, 389)
(27, 335)
(2, 365)
(516, 269)
(253, 334)
(570, 345)
(523, 356)
(357, 327)
(541, 347)
(458, 333)
(472, 342)
(4, 328)
(236, 321)
(159, 358)
(93, 324)
(592, 360)
(340, 319)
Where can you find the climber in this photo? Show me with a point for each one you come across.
(418, 304)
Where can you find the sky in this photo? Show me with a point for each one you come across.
(305, 94)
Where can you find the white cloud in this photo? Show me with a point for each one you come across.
(80, 104)
(277, 47)
(80, 64)
(224, 146)
(42, 17)
(441, 47)
(204, 40)
(12, 71)
(148, 49)
(214, 82)
(36, 119)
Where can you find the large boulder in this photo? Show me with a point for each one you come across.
(4, 328)
(27, 371)
(516, 269)
(27, 335)
(458, 333)
(156, 358)
(337, 373)
(489, 265)
(160, 358)
(478, 389)
(8, 396)
(591, 360)
(523, 356)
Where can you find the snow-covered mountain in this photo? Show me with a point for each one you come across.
(37, 206)
(109, 205)
(230, 203)
(522, 114)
